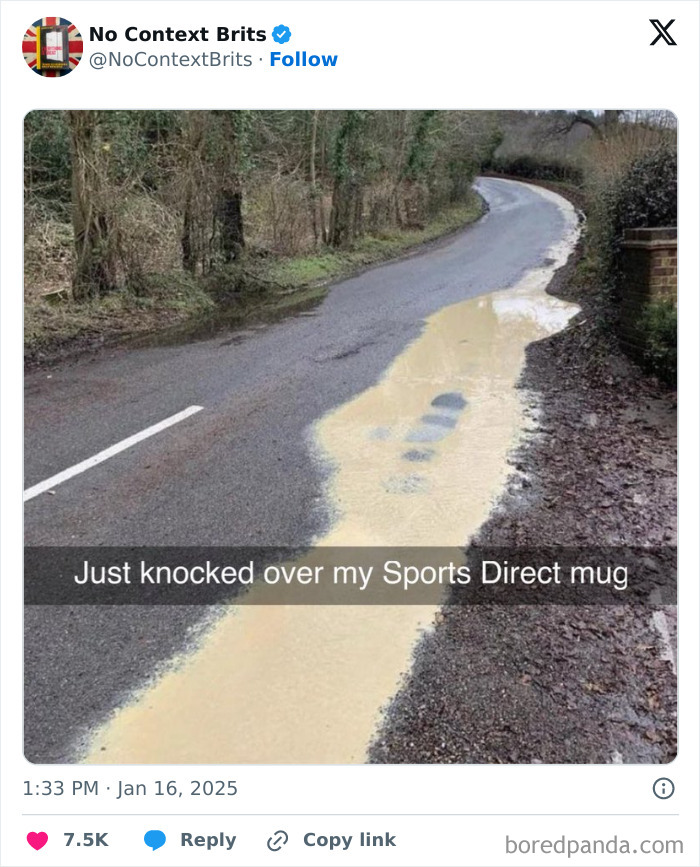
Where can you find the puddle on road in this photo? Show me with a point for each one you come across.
(235, 322)
(418, 460)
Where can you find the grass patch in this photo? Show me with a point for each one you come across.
(332, 265)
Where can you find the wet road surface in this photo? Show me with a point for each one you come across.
(269, 460)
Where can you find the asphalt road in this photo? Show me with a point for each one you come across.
(239, 472)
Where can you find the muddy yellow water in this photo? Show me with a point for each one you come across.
(417, 460)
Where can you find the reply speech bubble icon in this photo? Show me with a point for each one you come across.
(154, 839)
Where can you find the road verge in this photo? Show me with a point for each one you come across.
(262, 288)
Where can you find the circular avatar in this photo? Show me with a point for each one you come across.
(52, 47)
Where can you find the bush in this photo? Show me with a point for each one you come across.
(646, 195)
(658, 326)
(643, 195)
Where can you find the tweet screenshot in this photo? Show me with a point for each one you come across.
(341, 417)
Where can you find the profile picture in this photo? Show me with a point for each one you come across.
(52, 47)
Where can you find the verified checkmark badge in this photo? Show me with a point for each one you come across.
(281, 34)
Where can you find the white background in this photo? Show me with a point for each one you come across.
(391, 55)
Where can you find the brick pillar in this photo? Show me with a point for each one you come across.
(649, 266)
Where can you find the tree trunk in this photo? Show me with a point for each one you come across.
(230, 219)
(189, 259)
(192, 139)
(228, 211)
(312, 177)
(340, 232)
(346, 207)
(94, 234)
(321, 204)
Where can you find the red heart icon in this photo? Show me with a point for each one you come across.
(37, 840)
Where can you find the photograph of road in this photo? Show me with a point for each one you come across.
(350, 330)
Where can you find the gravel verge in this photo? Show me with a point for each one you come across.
(554, 683)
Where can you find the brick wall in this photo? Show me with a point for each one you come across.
(649, 273)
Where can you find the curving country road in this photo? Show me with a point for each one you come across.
(240, 471)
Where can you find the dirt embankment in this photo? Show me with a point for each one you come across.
(554, 684)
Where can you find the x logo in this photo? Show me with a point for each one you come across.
(663, 31)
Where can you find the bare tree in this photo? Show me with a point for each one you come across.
(94, 229)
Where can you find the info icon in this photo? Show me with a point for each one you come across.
(52, 47)
(663, 788)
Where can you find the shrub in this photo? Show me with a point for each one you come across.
(658, 326)
(642, 195)
(646, 195)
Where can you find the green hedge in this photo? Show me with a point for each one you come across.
(645, 195)
(536, 168)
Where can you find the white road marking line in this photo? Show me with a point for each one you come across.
(75, 470)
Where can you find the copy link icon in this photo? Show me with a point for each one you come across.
(278, 839)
